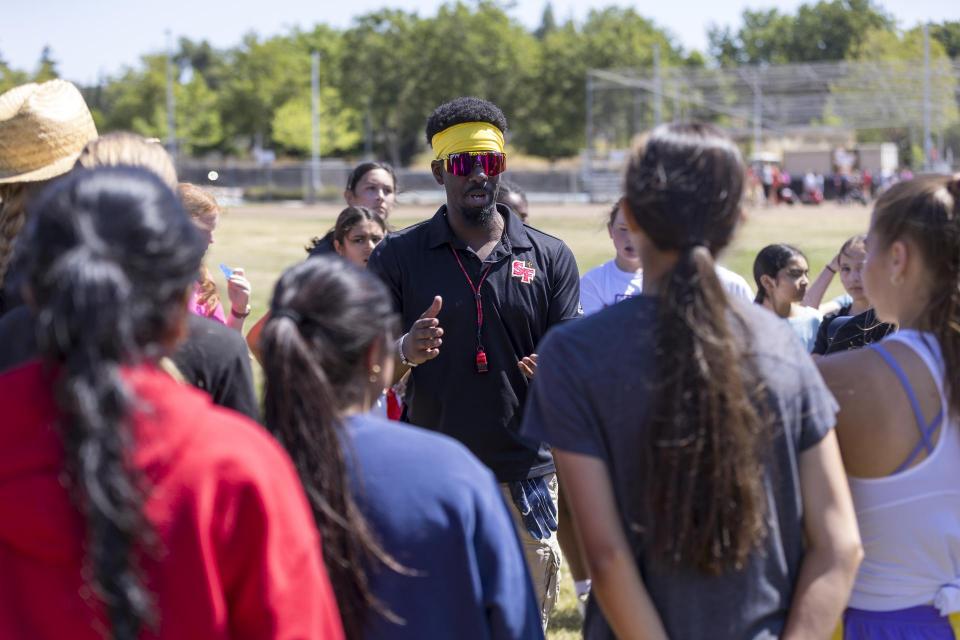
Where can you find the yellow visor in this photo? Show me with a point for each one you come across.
(467, 137)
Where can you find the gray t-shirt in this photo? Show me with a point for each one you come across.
(592, 395)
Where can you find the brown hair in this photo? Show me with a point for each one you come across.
(926, 211)
(204, 211)
(351, 217)
(123, 148)
(325, 316)
(13, 215)
(856, 242)
(707, 433)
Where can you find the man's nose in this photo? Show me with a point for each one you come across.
(477, 173)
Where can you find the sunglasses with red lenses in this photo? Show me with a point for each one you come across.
(492, 162)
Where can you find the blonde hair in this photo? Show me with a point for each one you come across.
(123, 148)
(13, 215)
(203, 211)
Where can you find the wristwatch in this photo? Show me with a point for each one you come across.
(240, 316)
(403, 358)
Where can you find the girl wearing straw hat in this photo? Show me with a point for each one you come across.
(43, 128)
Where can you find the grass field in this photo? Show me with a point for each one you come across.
(265, 239)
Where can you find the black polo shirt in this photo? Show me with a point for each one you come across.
(532, 285)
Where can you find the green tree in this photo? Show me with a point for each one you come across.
(556, 128)
(10, 77)
(948, 35)
(548, 23)
(137, 102)
(46, 67)
(339, 125)
(403, 66)
(383, 58)
(822, 31)
(255, 79)
(887, 87)
(831, 30)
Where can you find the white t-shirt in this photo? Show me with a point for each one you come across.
(606, 285)
(735, 284)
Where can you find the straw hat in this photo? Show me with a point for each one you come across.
(43, 128)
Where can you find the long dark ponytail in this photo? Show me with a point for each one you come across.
(704, 479)
(927, 211)
(108, 256)
(324, 318)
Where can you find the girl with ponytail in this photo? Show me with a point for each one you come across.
(129, 504)
(899, 420)
(416, 538)
(698, 458)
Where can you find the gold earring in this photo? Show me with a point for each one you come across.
(375, 373)
(896, 280)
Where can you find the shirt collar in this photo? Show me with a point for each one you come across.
(514, 237)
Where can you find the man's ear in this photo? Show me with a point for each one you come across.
(437, 168)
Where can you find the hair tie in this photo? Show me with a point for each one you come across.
(289, 314)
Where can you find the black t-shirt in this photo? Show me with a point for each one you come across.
(213, 358)
(842, 332)
(824, 334)
(593, 395)
(532, 284)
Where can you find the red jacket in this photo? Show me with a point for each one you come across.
(237, 553)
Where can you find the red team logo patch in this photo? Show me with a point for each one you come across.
(524, 271)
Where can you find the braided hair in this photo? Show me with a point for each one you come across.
(110, 256)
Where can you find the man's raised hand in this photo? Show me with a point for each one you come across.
(423, 341)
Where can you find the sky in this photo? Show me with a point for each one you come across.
(90, 38)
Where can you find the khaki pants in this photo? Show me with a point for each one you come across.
(543, 556)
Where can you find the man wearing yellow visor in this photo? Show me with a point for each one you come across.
(477, 290)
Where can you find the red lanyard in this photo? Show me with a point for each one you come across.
(481, 357)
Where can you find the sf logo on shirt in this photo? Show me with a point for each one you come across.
(524, 271)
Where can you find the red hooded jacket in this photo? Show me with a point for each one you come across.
(236, 552)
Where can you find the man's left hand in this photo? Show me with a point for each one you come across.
(528, 365)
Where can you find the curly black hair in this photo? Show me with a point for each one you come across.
(464, 109)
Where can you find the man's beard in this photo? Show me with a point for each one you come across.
(480, 216)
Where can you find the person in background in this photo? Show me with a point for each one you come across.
(43, 128)
(514, 197)
(354, 236)
(132, 506)
(417, 540)
(205, 213)
(371, 185)
(899, 420)
(849, 263)
(617, 279)
(622, 277)
(692, 433)
(782, 276)
(357, 233)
